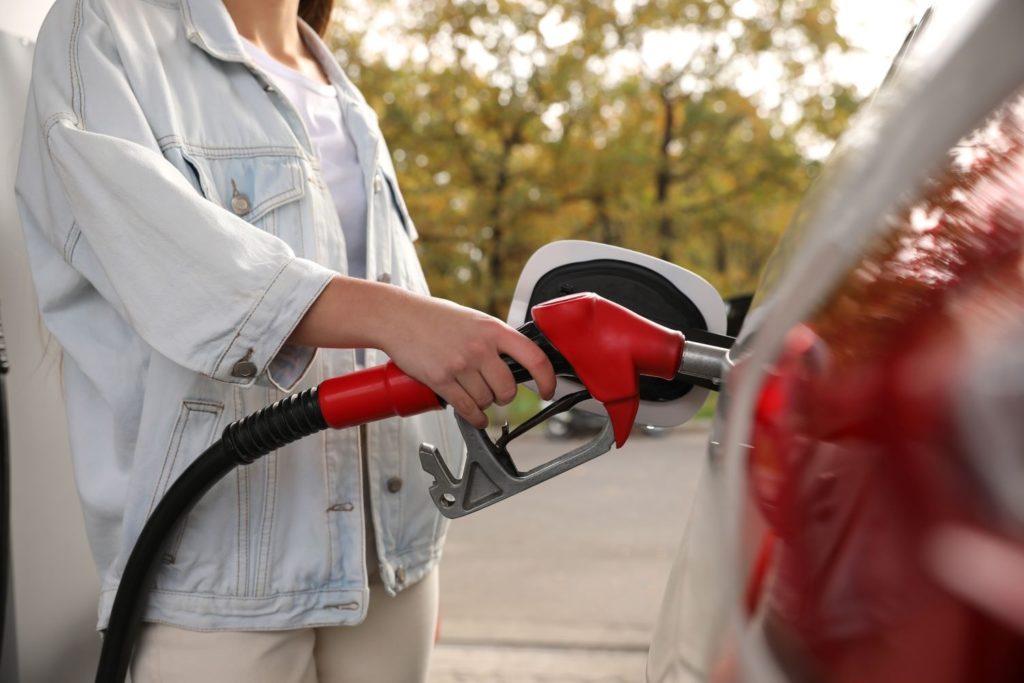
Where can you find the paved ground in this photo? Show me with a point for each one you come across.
(563, 582)
(484, 664)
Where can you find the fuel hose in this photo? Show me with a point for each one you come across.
(242, 443)
(347, 401)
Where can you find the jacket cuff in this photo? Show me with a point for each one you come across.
(263, 333)
(289, 366)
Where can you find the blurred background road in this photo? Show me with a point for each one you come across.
(563, 582)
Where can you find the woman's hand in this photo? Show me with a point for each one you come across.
(455, 351)
(452, 349)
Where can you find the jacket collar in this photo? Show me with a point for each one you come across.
(209, 26)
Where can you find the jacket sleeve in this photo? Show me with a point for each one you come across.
(200, 285)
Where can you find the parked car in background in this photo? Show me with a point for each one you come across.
(576, 423)
(861, 516)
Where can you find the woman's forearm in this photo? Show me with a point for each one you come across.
(352, 313)
(454, 350)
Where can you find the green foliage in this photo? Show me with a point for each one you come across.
(525, 405)
(517, 122)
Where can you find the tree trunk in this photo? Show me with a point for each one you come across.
(663, 178)
(496, 258)
(607, 229)
(721, 254)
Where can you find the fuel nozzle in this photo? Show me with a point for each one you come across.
(610, 347)
(605, 347)
(700, 361)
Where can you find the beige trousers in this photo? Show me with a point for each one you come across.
(392, 645)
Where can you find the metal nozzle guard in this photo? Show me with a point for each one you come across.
(490, 474)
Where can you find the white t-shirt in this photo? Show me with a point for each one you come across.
(320, 109)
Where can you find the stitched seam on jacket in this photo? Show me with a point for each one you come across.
(53, 121)
(279, 199)
(238, 530)
(209, 189)
(271, 203)
(429, 547)
(248, 317)
(186, 15)
(223, 596)
(312, 300)
(71, 242)
(74, 232)
(74, 70)
(242, 491)
(329, 522)
(168, 141)
(267, 538)
(267, 521)
(402, 476)
(180, 425)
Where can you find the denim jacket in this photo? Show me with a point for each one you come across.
(178, 229)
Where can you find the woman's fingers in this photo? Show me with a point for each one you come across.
(456, 351)
(530, 356)
(500, 380)
(475, 385)
(465, 405)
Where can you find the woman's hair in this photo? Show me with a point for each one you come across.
(316, 13)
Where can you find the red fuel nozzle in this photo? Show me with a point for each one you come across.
(609, 347)
(373, 394)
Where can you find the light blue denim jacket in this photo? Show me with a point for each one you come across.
(178, 229)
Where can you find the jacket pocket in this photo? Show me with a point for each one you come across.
(397, 200)
(258, 187)
(401, 236)
(194, 431)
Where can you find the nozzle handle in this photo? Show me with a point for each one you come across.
(609, 347)
(374, 394)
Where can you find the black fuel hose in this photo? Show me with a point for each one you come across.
(242, 443)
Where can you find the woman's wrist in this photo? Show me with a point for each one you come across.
(353, 313)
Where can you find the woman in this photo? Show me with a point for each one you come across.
(199, 182)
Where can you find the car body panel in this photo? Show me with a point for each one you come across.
(960, 68)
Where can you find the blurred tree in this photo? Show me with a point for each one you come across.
(683, 128)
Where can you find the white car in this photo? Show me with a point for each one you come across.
(861, 517)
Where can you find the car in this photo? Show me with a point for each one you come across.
(861, 515)
(578, 423)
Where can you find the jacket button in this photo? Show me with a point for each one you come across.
(342, 507)
(395, 484)
(385, 278)
(378, 183)
(400, 576)
(244, 369)
(240, 203)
